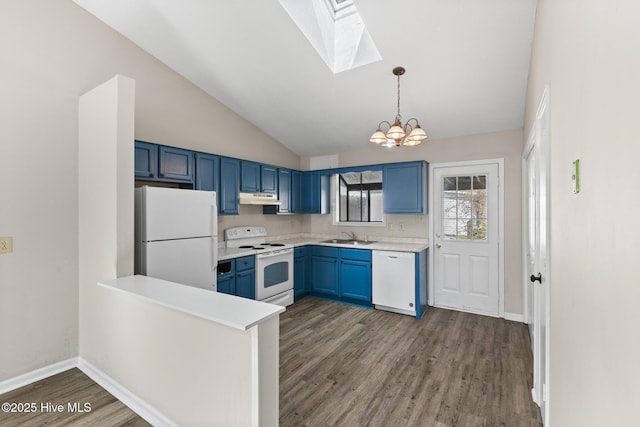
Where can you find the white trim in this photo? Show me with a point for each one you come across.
(501, 239)
(37, 375)
(135, 403)
(514, 317)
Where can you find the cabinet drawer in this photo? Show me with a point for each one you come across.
(299, 252)
(326, 251)
(245, 263)
(356, 254)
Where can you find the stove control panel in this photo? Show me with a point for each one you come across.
(244, 232)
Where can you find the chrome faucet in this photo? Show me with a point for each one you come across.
(351, 234)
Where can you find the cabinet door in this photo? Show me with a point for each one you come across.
(269, 179)
(316, 193)
(229, 185)
(246, 284)
(324, 274)
(250, 178)
(227, 284)
(284, 190)
(355, 279)
(175, 164)
(299, 272)
(296, 192)
(404, 188)
(146, 160)
(207, 172)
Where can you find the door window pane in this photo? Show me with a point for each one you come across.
(464, 206)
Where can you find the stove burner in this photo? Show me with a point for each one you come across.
(250, 247)
(274, 244)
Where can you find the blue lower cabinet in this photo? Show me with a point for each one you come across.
(246, 284)
(227, 284)
(325, 274)
(355, 280)
(341, 274)
(299, 272)
(237, 277)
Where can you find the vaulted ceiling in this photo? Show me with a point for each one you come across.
(467, 63)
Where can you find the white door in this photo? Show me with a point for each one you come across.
(536, 251)
(466, 237)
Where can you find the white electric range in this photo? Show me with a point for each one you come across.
(274, 263)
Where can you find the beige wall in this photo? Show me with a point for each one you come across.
(52, 52)
(587, 52)
(507, 145)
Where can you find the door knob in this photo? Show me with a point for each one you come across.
(538, 278)
(438, 245)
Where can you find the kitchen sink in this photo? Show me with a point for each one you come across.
(348, 242)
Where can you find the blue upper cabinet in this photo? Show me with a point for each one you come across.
(176, 164)
(146, 160)
(284, 190)
(284, 194)
(229, 186)
(258, 178)
(316, 190)
(296, 192)
(269, 179)
(250, 180)
(404, 186)
(207, 172)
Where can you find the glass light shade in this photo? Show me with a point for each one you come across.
(396, 132)
(416, 136)
(378, 137)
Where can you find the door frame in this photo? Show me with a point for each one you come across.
(431, 273)
(539, 134)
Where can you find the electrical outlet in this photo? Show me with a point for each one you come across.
(390, 226)
(402, 226)
(6, 245)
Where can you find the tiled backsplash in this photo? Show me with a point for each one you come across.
(397, 226)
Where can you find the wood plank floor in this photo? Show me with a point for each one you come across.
(68, 387)
(346, 366)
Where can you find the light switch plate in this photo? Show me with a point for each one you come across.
(6, 245)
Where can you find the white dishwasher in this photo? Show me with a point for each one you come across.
(394, 281)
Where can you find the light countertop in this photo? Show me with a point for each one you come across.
(386, 245)
(232, 311)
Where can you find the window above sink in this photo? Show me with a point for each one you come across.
(357, 198)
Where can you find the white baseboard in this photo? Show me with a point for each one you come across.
(139, 406)
(37, 375)
(514, 317)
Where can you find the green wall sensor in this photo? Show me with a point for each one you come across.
(575, 176)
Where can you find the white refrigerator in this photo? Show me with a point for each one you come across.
(176, 235)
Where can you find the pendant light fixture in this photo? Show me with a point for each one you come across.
(396, 133)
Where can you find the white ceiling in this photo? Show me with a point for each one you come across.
(467, 63)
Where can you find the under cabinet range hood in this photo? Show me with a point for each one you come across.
(258, 199)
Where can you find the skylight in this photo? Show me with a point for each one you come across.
(336, 30)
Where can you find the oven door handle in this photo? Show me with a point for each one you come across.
(277, 253)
